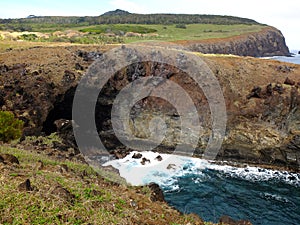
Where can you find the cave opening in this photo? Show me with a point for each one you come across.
(62, 109)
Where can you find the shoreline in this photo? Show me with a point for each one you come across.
(136, 172)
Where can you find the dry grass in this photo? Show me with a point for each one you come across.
(76, 196)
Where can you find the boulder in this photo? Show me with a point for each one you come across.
(144, 161)
(288, 81)
(8, 158)
(137, 156)
(156, 193)
(159, 158)
(229, 221)
(25, 186)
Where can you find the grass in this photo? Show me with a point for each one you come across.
(172, 33)
(96, 34)
(91, 199)
(117, 28)
(196, 32)
(6, 45)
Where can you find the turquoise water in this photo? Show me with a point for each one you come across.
(262, 197)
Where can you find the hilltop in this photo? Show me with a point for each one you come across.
(117, 12)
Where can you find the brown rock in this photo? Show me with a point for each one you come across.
(289, 81)
(120, 153)
(255, 93)
(63, 168)
(8, 158)
(159, 158)
(157, 194)
(79, 67)
(284, 69)
(229, 221)
(137, 156)
(25, 186)
(269, 90)
(196, 219)
(63, 193)
(144, 161)
(68, 77)
(40, 165)
(278, 88)
(171, 166)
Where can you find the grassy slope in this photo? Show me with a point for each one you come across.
(192, 31)
(92, 199)
(93, 34)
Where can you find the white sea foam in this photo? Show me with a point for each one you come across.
(167, 171)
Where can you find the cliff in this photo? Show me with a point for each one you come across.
(268, 42)
(262, 101)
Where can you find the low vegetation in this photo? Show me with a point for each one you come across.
(44, 190)
(37, 23)
(127, 33)
(10, 127)
(118, 29)
(123, 27)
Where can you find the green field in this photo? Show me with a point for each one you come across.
(195, 32)
(120, 26)
(128, 33)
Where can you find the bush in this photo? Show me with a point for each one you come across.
(28, 37)
(10, 127)
(181, 26)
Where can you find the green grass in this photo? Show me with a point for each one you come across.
(196, 32)
(94, 199)
(172, 33)
(117, 29)
(97, 34)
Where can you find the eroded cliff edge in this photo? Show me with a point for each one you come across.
(268, 42)
(262, 100)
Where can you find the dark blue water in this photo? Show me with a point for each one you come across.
(261, 197)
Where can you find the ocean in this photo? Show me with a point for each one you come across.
(295, 58)
(192, 185)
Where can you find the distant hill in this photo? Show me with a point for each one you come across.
(121, 17)
(117, 12)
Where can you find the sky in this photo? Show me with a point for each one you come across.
(284, 15)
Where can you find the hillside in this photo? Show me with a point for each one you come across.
(50, 189)
(202, 33)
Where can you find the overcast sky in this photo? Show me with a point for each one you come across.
(284, 15)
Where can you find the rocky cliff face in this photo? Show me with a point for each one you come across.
(262, 100)
(268, 42)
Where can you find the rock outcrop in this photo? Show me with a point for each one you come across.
(262, 100)
(268, 42)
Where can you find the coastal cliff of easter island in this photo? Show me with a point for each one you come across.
(261, 97)
(45, 175)
(267, 42)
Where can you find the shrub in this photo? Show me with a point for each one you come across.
(181, 26)
(28, 37)
(10, 127)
